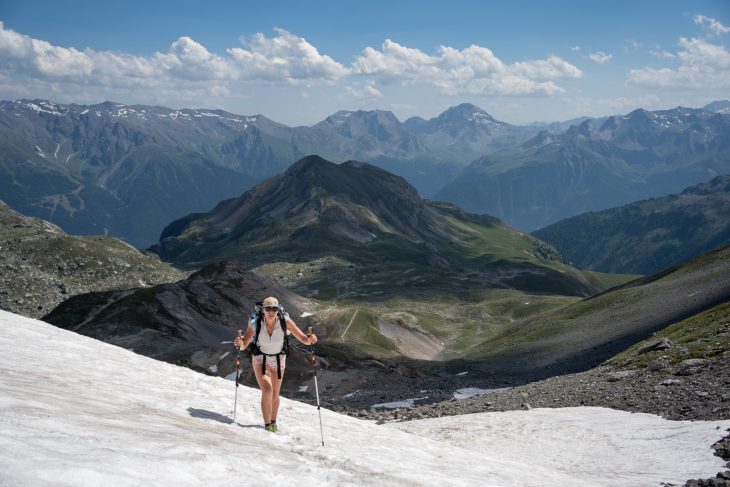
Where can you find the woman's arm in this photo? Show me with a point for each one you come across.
(245, 340)
(294, 329)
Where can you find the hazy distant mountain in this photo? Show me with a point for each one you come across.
(589, 167)
(377, 227)
(466, 132)
(560, 127)
(720, 106)
(368, 135)
(124, 170)
(648, 236)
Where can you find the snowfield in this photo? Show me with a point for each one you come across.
(76, 411)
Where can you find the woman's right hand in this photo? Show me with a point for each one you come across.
(238, 341)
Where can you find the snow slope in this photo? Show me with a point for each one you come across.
(76, 411)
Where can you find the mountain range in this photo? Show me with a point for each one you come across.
(595, 165)
(128, 170)
(647, 236)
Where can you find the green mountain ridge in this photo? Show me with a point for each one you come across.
(380, 230)
(583, 334)
(647, 236)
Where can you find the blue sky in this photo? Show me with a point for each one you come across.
(297, 62)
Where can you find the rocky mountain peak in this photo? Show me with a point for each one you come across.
(466, 112)
(720, 106)
(584, 129)
(348, 183)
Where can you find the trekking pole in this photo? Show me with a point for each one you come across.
(316, 387)
(238, 374)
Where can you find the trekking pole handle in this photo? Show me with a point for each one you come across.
(240, 335)
(311, 347)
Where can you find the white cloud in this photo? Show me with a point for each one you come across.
(601, 57)
(658, 53)
(189, 72)
(363, 93)
(575, 48)
(395, 62)
(473, 70)
(42, 58)
(703, 65)
(186, 71)
(188, 60)
(714, 25)
(286, 58)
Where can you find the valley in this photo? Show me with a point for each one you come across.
(407, 294)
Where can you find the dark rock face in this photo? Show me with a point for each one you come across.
(40, 265)
(183, 322)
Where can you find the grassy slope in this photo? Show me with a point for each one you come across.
(40, 260)
(703, 335)
(585, 332)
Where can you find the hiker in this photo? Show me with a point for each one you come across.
(268, 353)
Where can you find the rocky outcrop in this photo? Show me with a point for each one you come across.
(183, 322)
(41, 266)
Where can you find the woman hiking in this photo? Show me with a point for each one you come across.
(268, 352)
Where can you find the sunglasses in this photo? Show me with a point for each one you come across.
(271, 308)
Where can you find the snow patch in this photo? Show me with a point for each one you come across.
(406, 403)
(468, 392)
(157, 423)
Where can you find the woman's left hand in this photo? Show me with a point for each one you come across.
(312, 339)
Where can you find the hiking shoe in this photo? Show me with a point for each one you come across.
(274, 428)
(270, 427)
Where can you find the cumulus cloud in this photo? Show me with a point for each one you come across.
(601, 57)
(185, 69)
(189, 60)
(702, 65)
(287, 58)
(473, 70)
(714, 25)
(363, 93)
(41, 58)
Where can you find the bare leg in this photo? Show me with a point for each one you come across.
(264, 381)
(276, 387)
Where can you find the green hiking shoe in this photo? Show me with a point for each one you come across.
(274, 428)
(270, 427)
